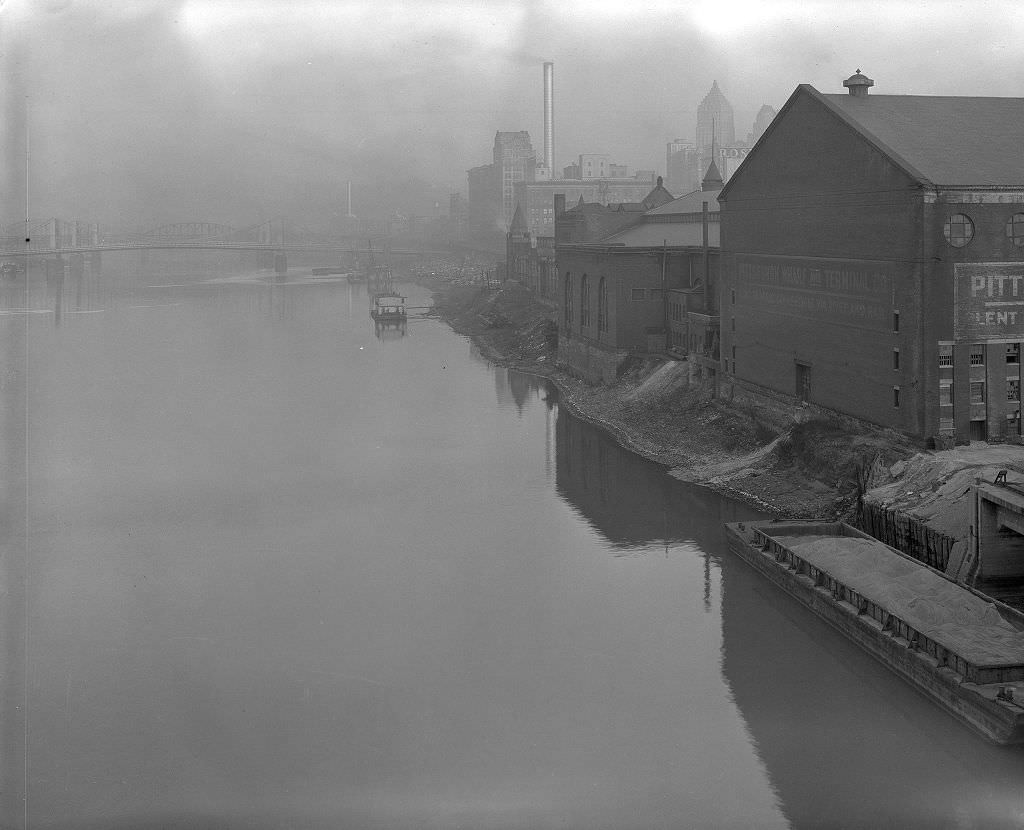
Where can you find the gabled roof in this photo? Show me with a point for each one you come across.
(688, 203)
(658, 196)
(944, 140)
(940, 141)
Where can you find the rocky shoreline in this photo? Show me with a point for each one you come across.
(813, 469)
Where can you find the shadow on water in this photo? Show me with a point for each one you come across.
(843, 741)
(631, 501)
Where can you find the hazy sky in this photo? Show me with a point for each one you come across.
(140, 112)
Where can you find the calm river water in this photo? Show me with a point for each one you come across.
(280, 573)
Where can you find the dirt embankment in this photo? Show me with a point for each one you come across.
(783, 462)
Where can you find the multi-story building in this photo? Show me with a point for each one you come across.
(630, 281)
(594, 166)
(714, 122)
(873, 260)
(764, 117)
(514, 161)
(537, 198)
(680, 166)
(483, 194)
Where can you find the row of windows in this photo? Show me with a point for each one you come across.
(959, 229)
(978, 392)
(977, 356)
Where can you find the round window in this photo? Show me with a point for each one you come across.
(1015, 228)
(959, 230)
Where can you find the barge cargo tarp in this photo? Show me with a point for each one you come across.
(942, 610)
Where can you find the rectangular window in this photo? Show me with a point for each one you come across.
(636, 294)
(945, 394)
(1013, 390)
(1013, 352)
(733, 294)
(895, 358)
(896, 397)
(977, 392)
(946, 426)
(895, 320)
(734, 360)
(977, 355)
(945, 355)
(733, 322)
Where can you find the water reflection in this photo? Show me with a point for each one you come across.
(844, 742)
(262, 596)
(633, 502)
(514, 389)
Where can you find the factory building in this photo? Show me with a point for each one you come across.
(873, 261)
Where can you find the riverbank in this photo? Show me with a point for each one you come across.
(785, 463)
(784, 460)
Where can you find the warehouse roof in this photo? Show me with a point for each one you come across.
(955, 141)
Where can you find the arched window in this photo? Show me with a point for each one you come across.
(568, 300)
(602, 305)
(584, 301)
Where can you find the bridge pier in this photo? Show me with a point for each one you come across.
(76, 268)
(280, 264)
(55, 284)
(96, 263)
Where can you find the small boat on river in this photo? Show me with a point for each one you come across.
(388, 307)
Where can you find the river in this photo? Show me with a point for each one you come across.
(276, 572)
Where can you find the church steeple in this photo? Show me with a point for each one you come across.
(712, 177)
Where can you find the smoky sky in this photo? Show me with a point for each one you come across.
(238, 111)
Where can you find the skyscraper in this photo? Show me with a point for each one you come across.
(714, 118)
(765, 115)
(514, 161)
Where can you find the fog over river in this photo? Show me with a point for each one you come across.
(264, 569)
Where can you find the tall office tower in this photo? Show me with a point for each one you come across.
(764, 118)
(514, 161)
(549, 118)
(680, 165)
(714, 118)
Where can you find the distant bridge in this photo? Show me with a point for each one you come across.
(55, 237)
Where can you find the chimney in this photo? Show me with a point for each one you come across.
(858, 84)
(549, 117)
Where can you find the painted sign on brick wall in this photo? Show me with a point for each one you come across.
(988, 300)
(842, 292)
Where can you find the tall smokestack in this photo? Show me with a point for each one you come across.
(549, 117)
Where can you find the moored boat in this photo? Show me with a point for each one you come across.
(388, 306)
(960, 648)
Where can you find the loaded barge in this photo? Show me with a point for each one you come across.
(957, 646)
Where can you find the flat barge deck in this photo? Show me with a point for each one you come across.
(959, 647)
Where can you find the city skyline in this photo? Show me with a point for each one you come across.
(243, 110)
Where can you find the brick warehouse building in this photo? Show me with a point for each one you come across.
(873, 260)
(626, 287)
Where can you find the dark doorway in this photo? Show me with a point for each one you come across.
(803, 381)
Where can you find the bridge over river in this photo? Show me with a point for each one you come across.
(56, 238)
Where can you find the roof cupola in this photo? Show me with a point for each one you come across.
(858, 84)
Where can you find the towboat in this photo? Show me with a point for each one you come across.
(388, 307)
